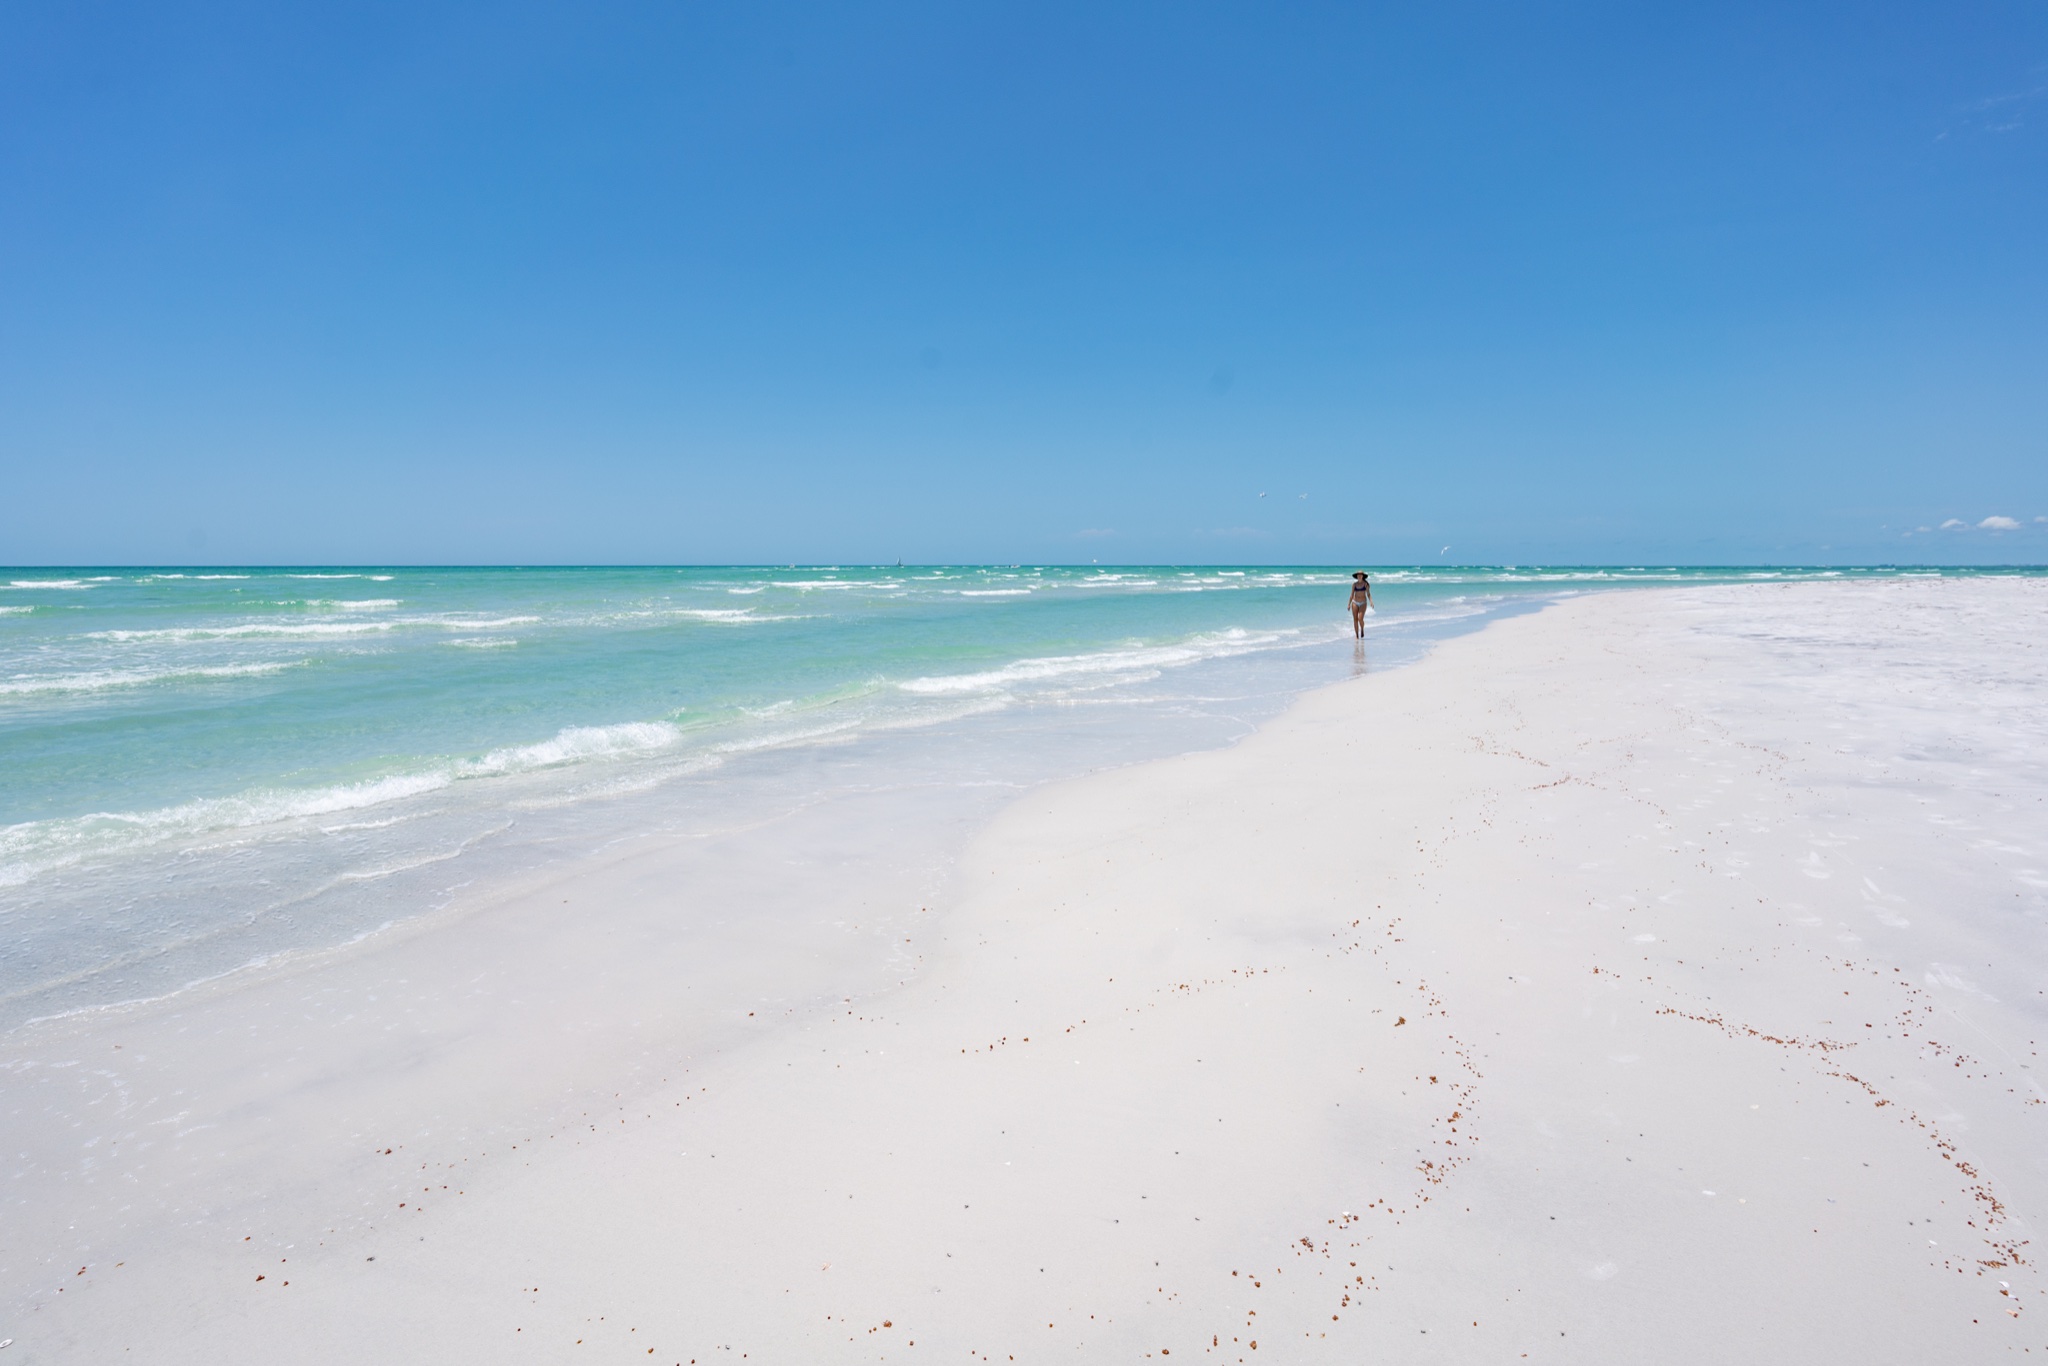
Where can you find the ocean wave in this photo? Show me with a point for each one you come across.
(36, 847)
(348, 826)
(454, 621)
(484, 643)
(102, 680)
(1130, 660)
(993, 592)
(292, 628)
(721, 615)
(354, 604)
(279, 629)
(836, 583)
(775, 740)
(15, 611)
(573, 743)
(52, 583)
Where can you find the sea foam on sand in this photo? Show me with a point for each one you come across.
(1655, 978)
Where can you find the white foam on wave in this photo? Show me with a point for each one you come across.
(458, 622)
(347, 826)
(574, 743)
(280, 629)
(724, 616)
(287, 629)
(992, 592)
(1131, 660)
(15, 611)
(50, 583)
(774, 740)
(484, 643)
(808, 584)
(103, 680)
(35, 847)
(354, 604)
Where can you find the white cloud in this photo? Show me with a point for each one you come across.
(1954, 524)
(1997, 113)
(1996, 523)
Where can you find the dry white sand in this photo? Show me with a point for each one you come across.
(1656, 978)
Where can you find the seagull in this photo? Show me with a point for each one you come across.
(1262, 495)
(1444, 551)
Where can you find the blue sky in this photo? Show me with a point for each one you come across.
(701, 283)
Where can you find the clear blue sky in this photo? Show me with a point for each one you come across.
(433, 282)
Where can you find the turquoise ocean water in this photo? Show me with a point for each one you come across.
(200, 769)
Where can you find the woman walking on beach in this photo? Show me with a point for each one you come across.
(1361, 599)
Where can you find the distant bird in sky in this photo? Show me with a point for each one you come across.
(1262, 495)
(1445, 551)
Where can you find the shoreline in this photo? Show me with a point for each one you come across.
(1010, 742)
(1587, 798)
(127, 872)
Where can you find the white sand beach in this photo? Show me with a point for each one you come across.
(1660, 977)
